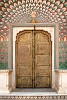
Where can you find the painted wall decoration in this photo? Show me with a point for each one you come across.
(63, 55)
(3, 55)
(47, 11)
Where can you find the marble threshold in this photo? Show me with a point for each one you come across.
(32, 92)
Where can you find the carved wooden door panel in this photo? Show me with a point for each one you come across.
(42, 59)
(33, 59)
(24, 59)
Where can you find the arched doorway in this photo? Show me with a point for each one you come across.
(33, 59)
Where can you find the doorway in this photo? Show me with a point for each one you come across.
(33, 59)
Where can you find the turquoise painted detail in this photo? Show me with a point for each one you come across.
(63, 55)
(3, 55)
(3, 65)
(61, 1)
(63, 65)
(65, 5)
(14, 0)
(5, 0)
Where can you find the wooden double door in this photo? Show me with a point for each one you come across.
(33, 59)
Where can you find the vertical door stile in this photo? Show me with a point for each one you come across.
(33, 55)
(16, 55)
(32, 58)
(50, 43)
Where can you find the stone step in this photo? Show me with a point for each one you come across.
(33, 94)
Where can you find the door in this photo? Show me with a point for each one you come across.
(42, 59)
(33, 59)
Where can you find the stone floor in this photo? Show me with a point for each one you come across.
(33, 94)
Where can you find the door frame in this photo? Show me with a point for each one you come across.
(11, 49)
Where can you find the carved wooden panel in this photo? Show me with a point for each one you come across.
(24, 82)
(42, 70)
(42, 36)
(42, 81)
(26, 48)
(33, 59)
(24, 59)
(42, 59)
(42, 48)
